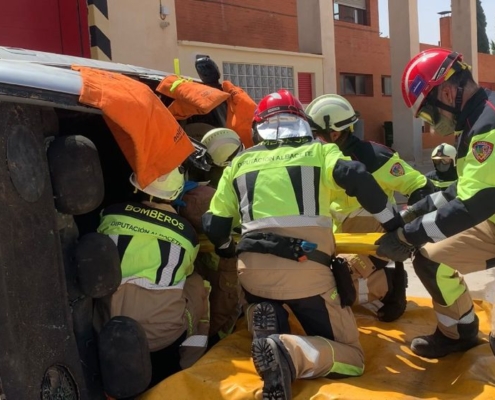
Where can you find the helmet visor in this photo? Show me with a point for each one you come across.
(284, 126)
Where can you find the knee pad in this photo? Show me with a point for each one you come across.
(125, 360)
(98, 265)
(76, 175)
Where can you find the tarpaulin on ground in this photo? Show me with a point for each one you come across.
(148, 135)
(392, 371)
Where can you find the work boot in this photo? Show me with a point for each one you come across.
(274, 366)
(438, 345)
(394, 302)
(264, 320)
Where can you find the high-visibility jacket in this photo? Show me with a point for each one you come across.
(391, 172)
(290, 184)
(157, 247)
(470, 200)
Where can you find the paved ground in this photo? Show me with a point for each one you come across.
(478, 282)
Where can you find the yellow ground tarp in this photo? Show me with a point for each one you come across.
(392, 370)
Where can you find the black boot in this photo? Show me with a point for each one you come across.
(264, 320)
(274, 366)
(394, 302)
(438, 345)
(269, 319)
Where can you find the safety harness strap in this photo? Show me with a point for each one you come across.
(282, 246)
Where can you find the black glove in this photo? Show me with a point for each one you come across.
(228, 252)
(408, 215)
(394, 246)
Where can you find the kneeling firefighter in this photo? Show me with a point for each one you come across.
(379, 287)
(279, 192)
(159, 288)
(223, 144)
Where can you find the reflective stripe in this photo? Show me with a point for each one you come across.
(363, 290)
(310, 353)
(145, 283)
(196, 341)
(290, 221)
(449, 321)
(438, 199)
(431, 228)
(308, 190)
(115, 239)
(387, 214)
(243, 197)
(175, 257)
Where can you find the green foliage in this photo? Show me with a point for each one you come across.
(483, 43)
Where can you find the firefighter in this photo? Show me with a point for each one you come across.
(279, 191)
(453, 230)
(444, 161)
(332, 119)
(159, 288)
(222, 144)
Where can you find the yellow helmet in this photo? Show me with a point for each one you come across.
(166, 187)
(222, 144)
(331, 112)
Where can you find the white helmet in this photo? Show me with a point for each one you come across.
(222, 144)
(166, 187)
(444, 151)
(331, 112)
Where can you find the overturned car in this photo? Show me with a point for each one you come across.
(63, 164)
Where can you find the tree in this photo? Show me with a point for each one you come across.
(492, 47)
(483, 44)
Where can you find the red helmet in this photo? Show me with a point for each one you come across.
(423, 73)
(281, 101)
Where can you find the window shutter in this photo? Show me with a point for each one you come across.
(304, 80)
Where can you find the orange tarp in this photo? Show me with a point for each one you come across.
(148, 135)
(191, 98)
(392, 371)
(240, 112)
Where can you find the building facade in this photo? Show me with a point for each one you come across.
(311, 47)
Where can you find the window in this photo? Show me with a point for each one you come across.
(356, 84)
(386, 86)
(258, 80)
(305, 86)
(353, 11)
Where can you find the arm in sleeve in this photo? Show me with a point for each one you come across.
(472, 205)
(435, 200)
(223, 214)
(358, 182)
(399, 176)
